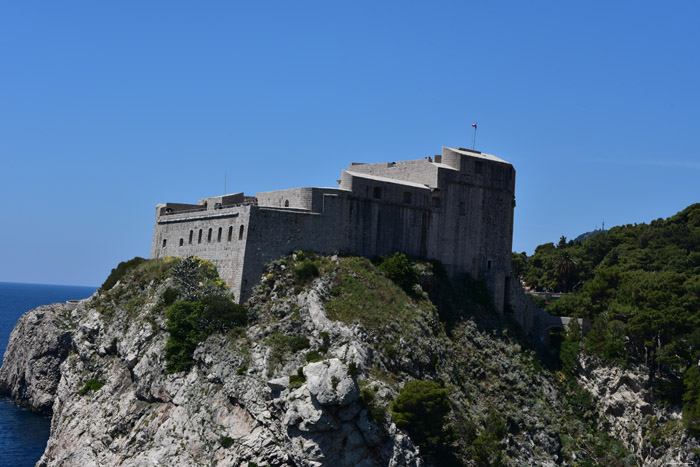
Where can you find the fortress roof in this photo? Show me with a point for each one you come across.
(482, 155)
(387, 179)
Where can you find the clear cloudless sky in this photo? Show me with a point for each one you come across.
(108, 108)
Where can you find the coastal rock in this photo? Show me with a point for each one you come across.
(39, 343)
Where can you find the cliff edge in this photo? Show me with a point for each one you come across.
(144, 373)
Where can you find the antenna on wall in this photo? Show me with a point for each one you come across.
(474, 137)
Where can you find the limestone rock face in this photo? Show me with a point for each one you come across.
(233, 407)
(626, 403)
(329, 383)
(38, 345)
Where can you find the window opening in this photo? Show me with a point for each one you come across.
(209, 236)
(182, 241)
(199, 238)
(240, 233)
(230, 233)
(377, 193)
(218, 239)
(164, 240)
(191, 232)
(488, 264)
(286, 203)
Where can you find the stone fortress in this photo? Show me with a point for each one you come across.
(456, 207)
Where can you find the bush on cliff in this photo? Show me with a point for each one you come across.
(398, 268)
(119, 272)
(189, 323)
(421, 409)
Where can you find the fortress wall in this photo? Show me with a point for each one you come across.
(310, 198)
(226, 254)
(464, 219)
(370, 227)
(392, 193)
(417, 171)
(299, 198)
(278, 232)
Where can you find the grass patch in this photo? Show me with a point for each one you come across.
(283, 344)
(361, 293)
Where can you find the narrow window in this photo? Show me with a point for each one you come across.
(477, 167)
(219, 237)
(209, 236)
(182, 241)
(240, 233)
(286, 203)
(488, 264)
(191, 232)
(230, 233)
(377, 193)
(462, 208)
(199, 239)
(407, 197)
(164, 240)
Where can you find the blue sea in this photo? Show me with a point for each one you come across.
(23, 434)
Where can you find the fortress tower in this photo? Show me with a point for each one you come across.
(456, 207)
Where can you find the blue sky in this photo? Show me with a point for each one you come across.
(108, 109)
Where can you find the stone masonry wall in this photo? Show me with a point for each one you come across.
(462, 217)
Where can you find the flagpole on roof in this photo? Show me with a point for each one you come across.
(474, 138)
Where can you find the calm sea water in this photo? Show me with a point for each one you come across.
(23, 434)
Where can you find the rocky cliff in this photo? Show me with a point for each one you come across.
(309, 380)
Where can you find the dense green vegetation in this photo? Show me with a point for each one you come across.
(640, 286)
(421, 409)
(209, 309)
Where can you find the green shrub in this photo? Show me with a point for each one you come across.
(691, 401)
(184, 326)
(397, 268)
(169, 296)
(421, 409)
(90, 385)
(222, 314)
(119, 272)
(306, 271)
(226, 441)
(189, 323)
(486, 448)
(353, 371)
(297, 380)
(297, 343)
(314, 356)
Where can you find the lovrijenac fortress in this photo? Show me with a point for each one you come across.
(456, 207)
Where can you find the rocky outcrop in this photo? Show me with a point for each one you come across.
(233, 407)
(38, 345)
(653, 432)
(295, 387)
